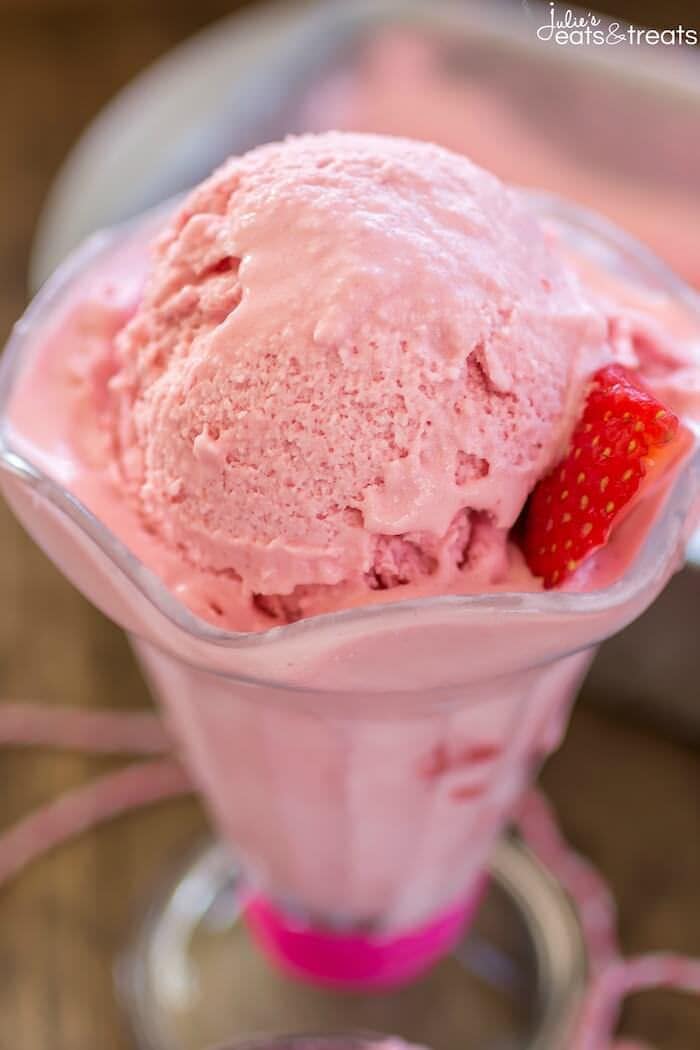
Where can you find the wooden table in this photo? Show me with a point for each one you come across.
(628, 797)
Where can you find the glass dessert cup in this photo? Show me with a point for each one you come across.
(362, 764)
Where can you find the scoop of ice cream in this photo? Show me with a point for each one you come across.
(353, 357)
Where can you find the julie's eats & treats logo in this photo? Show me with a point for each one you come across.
(576, 28)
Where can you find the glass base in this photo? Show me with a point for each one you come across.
(193, 978)
(361, 960)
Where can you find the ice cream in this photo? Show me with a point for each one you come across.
(332, 386)
(350, 360)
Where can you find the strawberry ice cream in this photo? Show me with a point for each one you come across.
(342, 371)
(331, 384)
(352, 360)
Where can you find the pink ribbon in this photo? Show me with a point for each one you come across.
(96, 732)
(612, 977)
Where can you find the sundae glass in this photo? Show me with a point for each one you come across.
(361, 764)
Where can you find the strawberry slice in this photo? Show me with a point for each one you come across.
(573, 509)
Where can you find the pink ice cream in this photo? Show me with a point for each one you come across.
(340, 371)
(352, 359)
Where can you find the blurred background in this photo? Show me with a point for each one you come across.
(618, 130)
